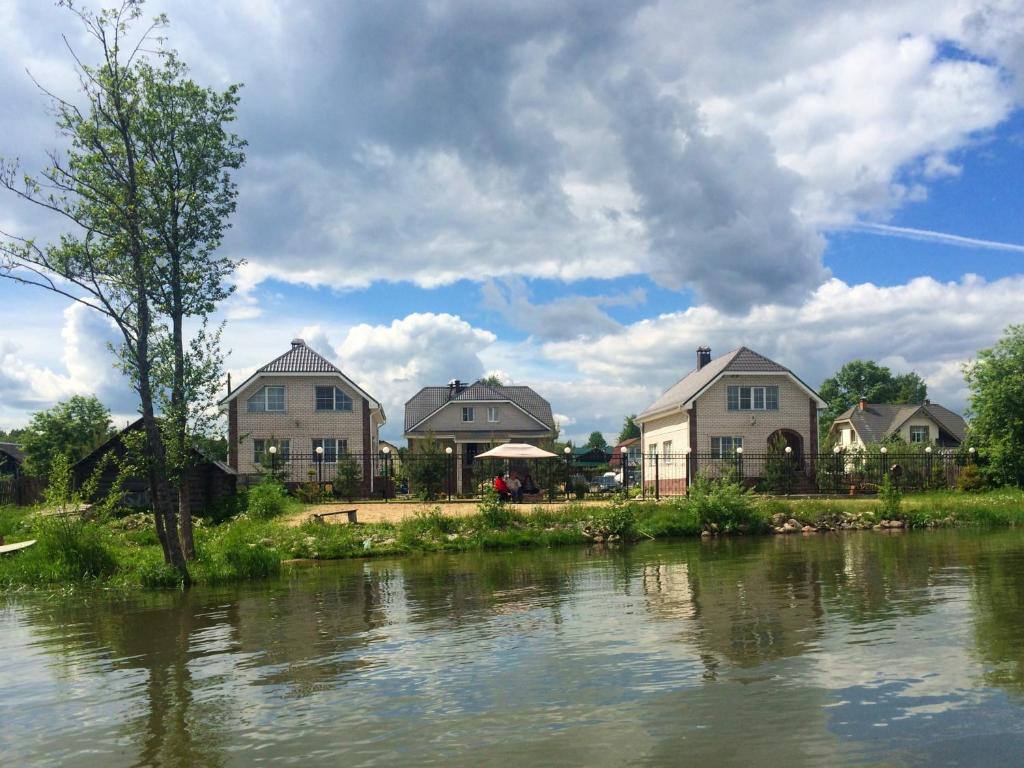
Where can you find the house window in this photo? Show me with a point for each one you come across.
(333, 448)
(332, 399)
(753, 398)
(919, 435)
(666, 448)
(467, 414)
(652, 449)
(266, 399)
(261, 455)
(847, 436)
(492, 414)
(725, 447)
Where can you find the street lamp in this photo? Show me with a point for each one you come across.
(568, 452)
(928, 449)
(883, 450)
(448, 454)
(625, 467)
(320, 466)
(386, 450)
(836, 450)
(273, 459)
(740, 450)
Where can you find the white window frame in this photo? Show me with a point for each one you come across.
(927, 434)
(338, 444)
(467, 410)
(719, 452)
(666, 449)
(751, 394)
(493, 415)
(339, 399)
(260, 401)
(261, 444)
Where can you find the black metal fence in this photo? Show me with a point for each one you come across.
(441, 475)
(835, 472)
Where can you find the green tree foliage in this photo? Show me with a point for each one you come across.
(12, 435)
(996, 409)
(72, 429)
(596, 440)
(144, 190)
(426, 466)
(630, 429)
(349, 481)
(492, 380)
(866, 378)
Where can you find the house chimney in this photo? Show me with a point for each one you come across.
(298, 343)
(703, 356)
(927, 401)
(229, 383)
(454, 387)
(863, 404)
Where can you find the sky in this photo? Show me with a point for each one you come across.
(574, 195)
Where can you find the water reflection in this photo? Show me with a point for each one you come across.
(846, 649)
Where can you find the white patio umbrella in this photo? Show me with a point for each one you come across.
(516, 451)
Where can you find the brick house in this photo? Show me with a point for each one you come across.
(741, 400)
(470, 418)
(924, 423)
(297, 403)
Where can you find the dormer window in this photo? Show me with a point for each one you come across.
(269, 399)
(332, 399)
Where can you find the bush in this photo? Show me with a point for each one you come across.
(724, 504)
(890, 497)
(267, 499)
(349, 481)
(156, 574)
(238, 552)
(617, 519)
(75, 550)
(970, 480)
(493, 511)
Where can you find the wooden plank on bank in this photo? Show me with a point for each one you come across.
(5, 548)
(350, 512)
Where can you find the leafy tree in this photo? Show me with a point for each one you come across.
(596, 440)
(630, 429)
(426, 467)
(349, 482)
(144, 188)
(492, 380)
(15, 435)
(71, 429)
(866, 378)
(996, 408)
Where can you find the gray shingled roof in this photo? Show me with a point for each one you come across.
(878, 420)
(429, 399)
(14, 451)
(299, 359)
(742, 360)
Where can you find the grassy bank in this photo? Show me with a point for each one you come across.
(124, 552)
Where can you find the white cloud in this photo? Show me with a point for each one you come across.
(924, 325)
(569, 140)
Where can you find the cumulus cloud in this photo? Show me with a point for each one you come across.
(925, 325)
(88, 369)
(433, 142)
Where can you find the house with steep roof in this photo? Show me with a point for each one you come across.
(740, 400)
(924, 423)
(298, 402)
(470, 418)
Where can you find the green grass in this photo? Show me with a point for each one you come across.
(125, 552)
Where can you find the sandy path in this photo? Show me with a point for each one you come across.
(396, 511)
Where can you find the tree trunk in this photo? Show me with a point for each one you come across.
(185, 515)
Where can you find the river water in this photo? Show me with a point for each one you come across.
(900, 649)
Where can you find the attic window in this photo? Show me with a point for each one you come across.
(753, 398)
(332, 399)
(919, 435)
(266, 399)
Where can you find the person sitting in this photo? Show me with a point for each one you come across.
(515, 487)
(530, 487)
(502, 488)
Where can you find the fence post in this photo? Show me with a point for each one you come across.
(448, 452)
(835, 472)
(688, 468)
(657, 479)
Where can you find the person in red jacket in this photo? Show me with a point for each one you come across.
(502, 488)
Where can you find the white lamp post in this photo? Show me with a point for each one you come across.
(273, 458)
(836, 450)
(928, 449)
(625, 469)
(789, 449)
(883, 450)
